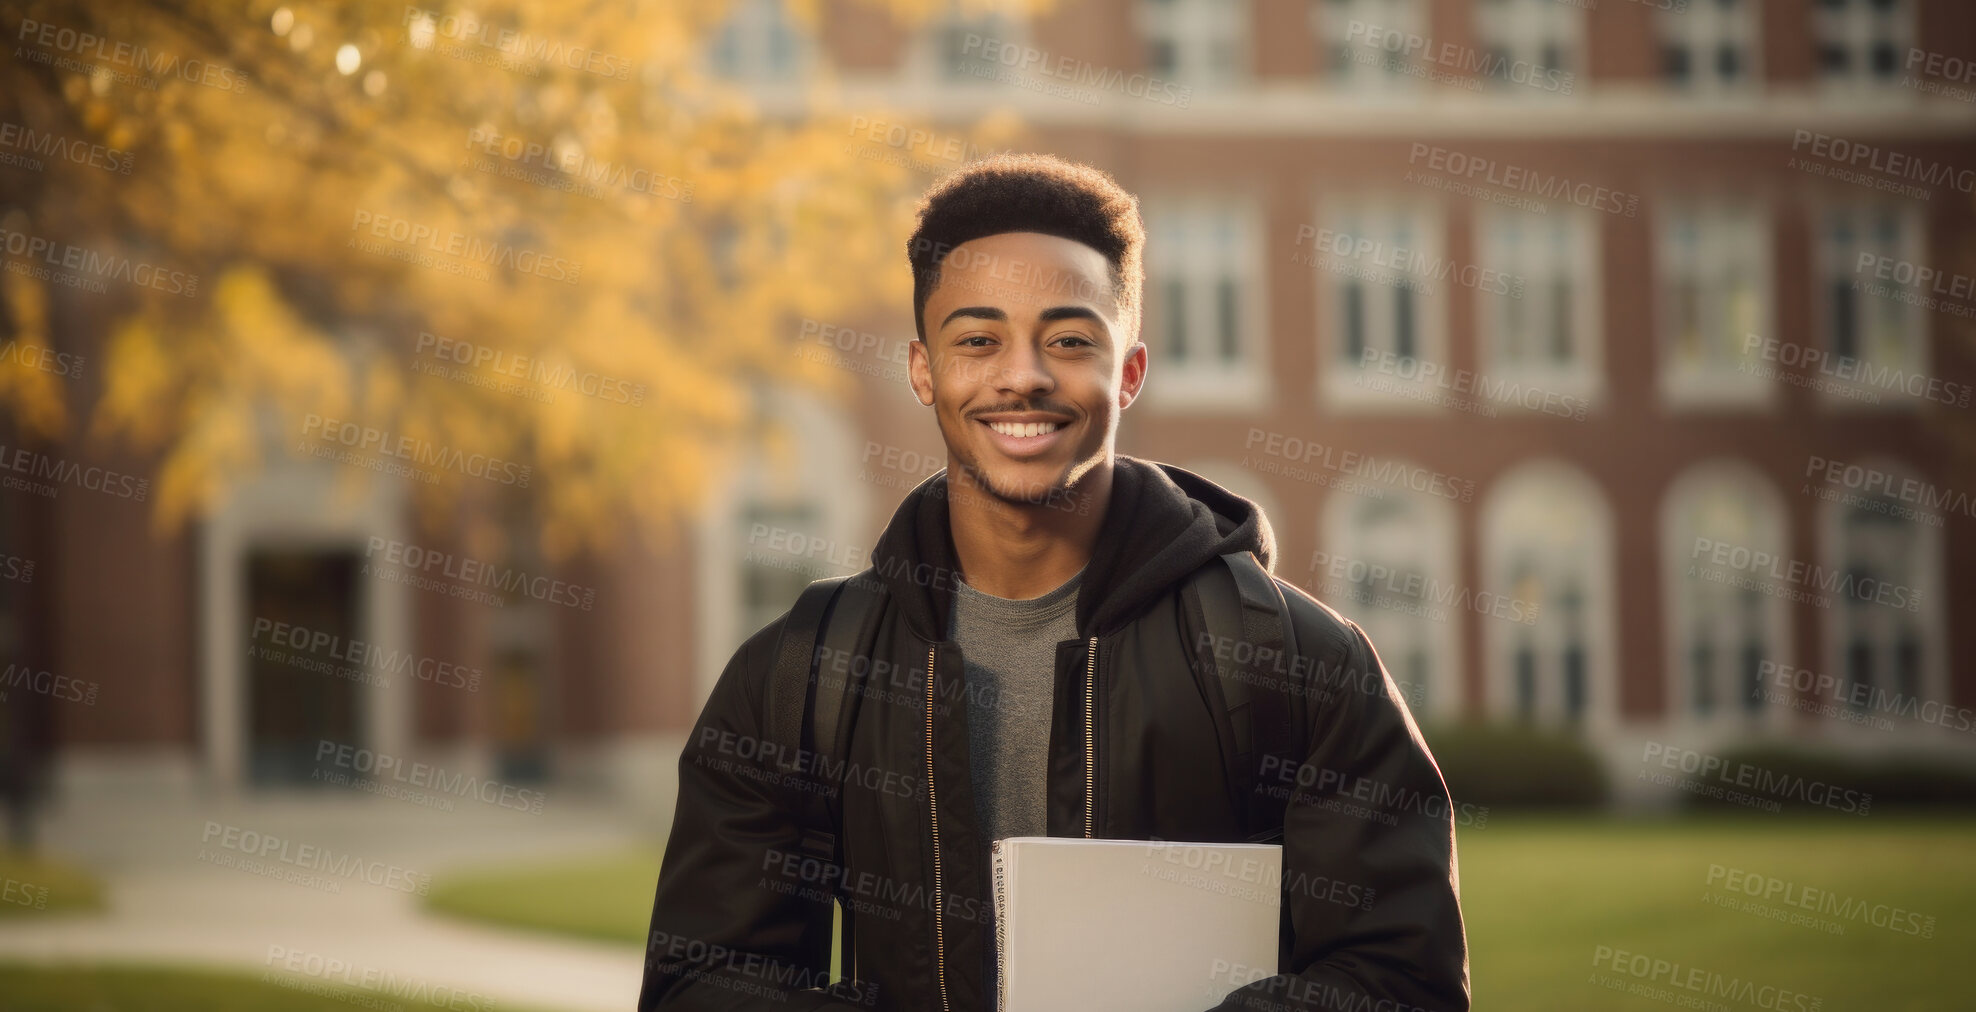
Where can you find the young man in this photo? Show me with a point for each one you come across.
(1030, 664)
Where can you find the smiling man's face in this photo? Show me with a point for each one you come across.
(1026, 363)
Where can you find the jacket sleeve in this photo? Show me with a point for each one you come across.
(1370, 877)
(732, 927)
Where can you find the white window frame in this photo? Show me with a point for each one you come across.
(1515, 506)
(1520, 28)
(751, 24)
(1361, 69)
(1926, 576)
(1427, 533)
(1837, 262)
(1730, 234)
(1173, 222)
(1577, 258)
(1702, 29)
(1767, 530)
(926, 63)
(1857, 28)
(1406, 227)
(1195, 28)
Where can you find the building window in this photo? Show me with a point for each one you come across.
(1545, 333)
(1390, 568)
(1353, 32)
(1711, 46)
(1871, 319)
(1861, 43)
(1547, 570)
(1196, 42)
(1524, 41)
(1884, 632)
(1382, 298)
(1721, 630)
(1204, 302)
(965, 44)
(1713, 265)
(759, 42)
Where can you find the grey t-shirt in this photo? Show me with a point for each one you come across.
(1010, 650)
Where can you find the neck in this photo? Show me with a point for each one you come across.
(1025, 550)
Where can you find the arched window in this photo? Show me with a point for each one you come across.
(1884, 639)
(1546, 605)
(1388, 564)
(1719, 634)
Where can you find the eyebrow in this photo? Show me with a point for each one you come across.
(1050, 315)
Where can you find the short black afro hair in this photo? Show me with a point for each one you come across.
(1029, 193)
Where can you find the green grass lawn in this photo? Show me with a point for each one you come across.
(67, 987)
(35, 885)
(1542, 894)
(608, 898)
(1541, 897)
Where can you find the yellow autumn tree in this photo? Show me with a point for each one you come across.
(528, 250)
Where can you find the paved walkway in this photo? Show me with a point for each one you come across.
(170, 900)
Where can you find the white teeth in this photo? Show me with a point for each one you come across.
(1025, 428)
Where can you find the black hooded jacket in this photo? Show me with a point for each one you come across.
(743, 913)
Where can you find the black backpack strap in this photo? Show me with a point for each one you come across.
(809, 715)
(1253, 651)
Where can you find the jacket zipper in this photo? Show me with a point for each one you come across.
(933, 813)
(1090, 737)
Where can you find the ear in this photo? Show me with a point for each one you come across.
(1132, 376)
(919, 371)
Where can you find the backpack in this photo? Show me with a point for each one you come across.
(1237, 603)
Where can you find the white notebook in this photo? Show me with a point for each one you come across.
(1131, 924)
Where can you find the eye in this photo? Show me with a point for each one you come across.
(964, 342)
(1077, 341)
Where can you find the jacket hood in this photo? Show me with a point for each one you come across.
(1162, 523)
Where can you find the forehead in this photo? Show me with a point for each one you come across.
(1023, 273)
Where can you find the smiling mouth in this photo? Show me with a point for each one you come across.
(1023, 430)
